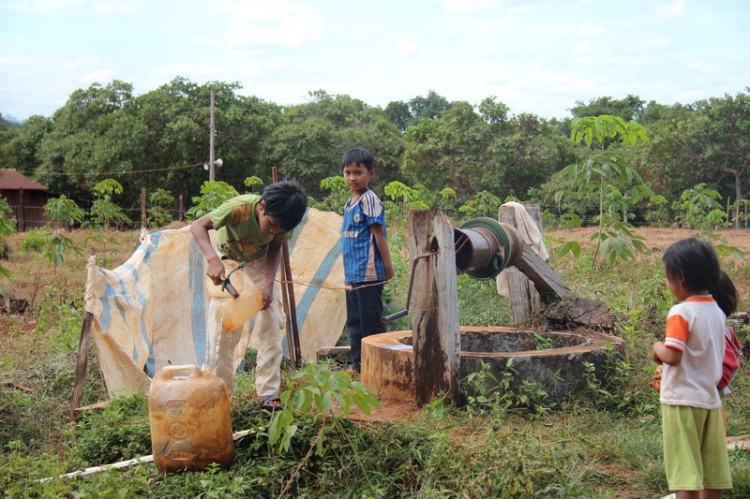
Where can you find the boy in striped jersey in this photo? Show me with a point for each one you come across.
(367, 259)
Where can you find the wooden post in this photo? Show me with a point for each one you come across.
(295, 354)
(83, 359)
(21, 211)
(82, 364)
(436, 337)
(182, 209)
(523, 297)
(144, 222)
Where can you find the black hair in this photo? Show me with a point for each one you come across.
(693, 260)
(359, 156)
(726, 295)
(286, 202)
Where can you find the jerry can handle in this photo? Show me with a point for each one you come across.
(179, 372)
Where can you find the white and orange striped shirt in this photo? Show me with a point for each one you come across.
(696, 328)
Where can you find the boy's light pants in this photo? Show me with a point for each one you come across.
(269, 328)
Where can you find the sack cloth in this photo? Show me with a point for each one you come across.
(152, 310)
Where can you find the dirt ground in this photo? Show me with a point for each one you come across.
(659, 239)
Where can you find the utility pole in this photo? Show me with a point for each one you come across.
(211, 135)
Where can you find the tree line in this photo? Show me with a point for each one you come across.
(159, 141)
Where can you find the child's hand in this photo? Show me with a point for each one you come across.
(389, 273)
(655, 382)
(215, 271)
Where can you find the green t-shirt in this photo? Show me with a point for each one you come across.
(240, 237)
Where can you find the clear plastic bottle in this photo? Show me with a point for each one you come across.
(191, 425)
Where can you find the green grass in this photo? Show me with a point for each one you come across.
(604, 443)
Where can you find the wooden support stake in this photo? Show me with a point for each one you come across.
(434, 305)
(295, 354)
(21, 211)
(83, 359)
(143, 207)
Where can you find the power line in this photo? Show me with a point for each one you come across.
(170, 168)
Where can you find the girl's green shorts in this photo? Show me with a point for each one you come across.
(695, 448)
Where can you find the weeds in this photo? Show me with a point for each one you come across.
(508, 441)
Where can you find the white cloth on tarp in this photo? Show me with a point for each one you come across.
(152, 310)
(529, 232)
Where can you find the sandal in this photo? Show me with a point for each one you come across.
(267, 402)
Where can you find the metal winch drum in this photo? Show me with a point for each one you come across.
(484, 247)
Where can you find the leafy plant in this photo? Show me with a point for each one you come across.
(612, 388)
(60, 211)
(158, 213)
(403, 199)
(34, 239)
(252, 181)
(700, 208)
(103, 211)
(213, 193)
(542, 342)
(606, 174)
(64, 211)
(482, 203)
(56, 246)
(121, 431)
(336, 198)
(315, 387)
(485, 392)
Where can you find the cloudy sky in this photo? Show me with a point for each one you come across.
(536, 56)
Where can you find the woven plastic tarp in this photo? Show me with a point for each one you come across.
(152, 310)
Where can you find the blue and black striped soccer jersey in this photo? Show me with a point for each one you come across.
(362, 260)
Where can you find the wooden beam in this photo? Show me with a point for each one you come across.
(545, 279)
(434, 309)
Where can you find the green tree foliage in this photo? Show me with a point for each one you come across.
(606, 175)
(213, 193)
(104, 131)
(92, 134)
(158, 211)
(627, 109)
(64, 211)
(104, 211)
(707, 142)
(308, 145)
(485, 151)
(20, 146)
